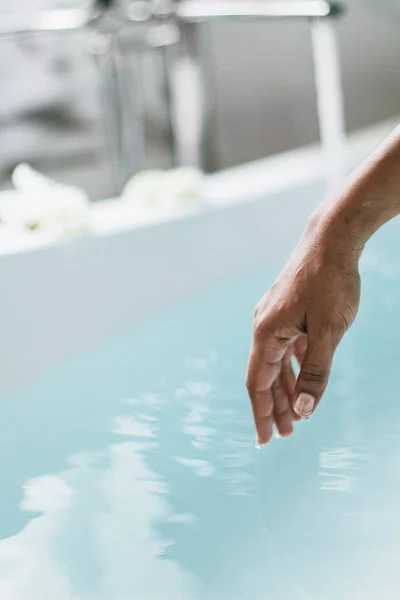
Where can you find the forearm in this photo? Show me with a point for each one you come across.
(370, 198)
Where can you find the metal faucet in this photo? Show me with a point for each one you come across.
(174, 28)
(116, 38)
(187, 74)
(205, 10)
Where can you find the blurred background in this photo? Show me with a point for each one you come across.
(54, 113)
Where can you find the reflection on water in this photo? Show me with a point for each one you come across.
(338, 469)
(133, 473)
(95, 537)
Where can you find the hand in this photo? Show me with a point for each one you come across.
(305, 314)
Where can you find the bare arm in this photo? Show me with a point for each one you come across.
(315, 299)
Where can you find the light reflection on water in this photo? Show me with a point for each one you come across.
(133, 473)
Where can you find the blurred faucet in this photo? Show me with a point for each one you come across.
(200, 10)
(186, 64)
(117, 36)
(186, 74)
(175, 28)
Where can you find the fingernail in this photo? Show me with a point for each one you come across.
(304, 405)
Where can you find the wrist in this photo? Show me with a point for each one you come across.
(370, 198)
(336, 232)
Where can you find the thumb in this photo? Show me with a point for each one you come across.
(314, 375)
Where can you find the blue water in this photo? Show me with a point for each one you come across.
(132, 473)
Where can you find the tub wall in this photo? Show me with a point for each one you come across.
(63, 300)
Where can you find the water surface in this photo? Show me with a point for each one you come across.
(132, 473)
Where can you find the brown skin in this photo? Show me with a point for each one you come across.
(315, 300)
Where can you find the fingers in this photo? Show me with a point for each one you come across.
(260, 377)
(282, 409)
(263, 371)
(314, 375)
(288, 381)
(264, 421)
(299, 348)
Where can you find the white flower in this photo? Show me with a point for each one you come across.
(144, 188)
(164, 188)
(39, 204)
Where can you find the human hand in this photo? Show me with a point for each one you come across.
(304, 315)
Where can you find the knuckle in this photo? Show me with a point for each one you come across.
(324, 328)
(249, 385)
(338, 328)
(265, 324)
(314, 374)
(332, 328)
(342, 324)
(261, 326)
(257, 310)
(263, 318)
